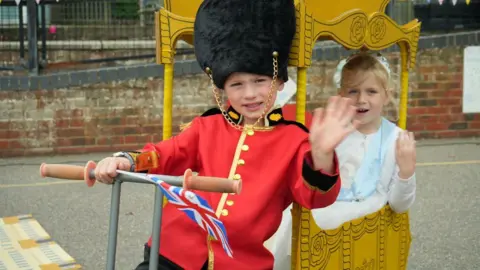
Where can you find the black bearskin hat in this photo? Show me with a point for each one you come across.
(241, 36)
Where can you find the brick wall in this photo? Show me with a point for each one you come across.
(94, 118)
(109, 116)
(435, 107)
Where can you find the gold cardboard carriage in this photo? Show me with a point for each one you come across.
(377, 241)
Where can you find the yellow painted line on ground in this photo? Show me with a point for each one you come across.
(41, 184)
(424, 164)
(462, 162)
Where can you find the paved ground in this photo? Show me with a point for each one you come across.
(445, 219)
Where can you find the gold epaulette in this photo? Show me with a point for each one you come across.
(185, 126)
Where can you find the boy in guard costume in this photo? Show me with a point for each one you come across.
(243, 45)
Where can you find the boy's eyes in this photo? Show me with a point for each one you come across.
(240, 84)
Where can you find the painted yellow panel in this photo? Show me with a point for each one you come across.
(327, 10)
(353, 24)
(184, 8)
(169, 28)
(380, 240)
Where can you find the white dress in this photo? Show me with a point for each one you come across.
(400, 194)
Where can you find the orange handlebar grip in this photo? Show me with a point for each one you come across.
(70, 172)
(213, 184)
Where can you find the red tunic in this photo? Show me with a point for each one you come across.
(270, 163)
(290, 113)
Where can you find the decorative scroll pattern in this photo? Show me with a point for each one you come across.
(167, 4)
(381, 239)
(295, 234)
(309, 42)
(378, 28)
(357, 29)
(375, 32)
(165, 40)
(390, 230)
(353, 29)
(305, 236)
(346, 252)
(303, 41)
(170, 28)
(294, 56)
(367, 265)
(406, 238)
(383, 6)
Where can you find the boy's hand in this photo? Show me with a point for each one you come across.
(329, 127)
(406, 155)
(107, 168)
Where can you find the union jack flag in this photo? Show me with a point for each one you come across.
(197, 209)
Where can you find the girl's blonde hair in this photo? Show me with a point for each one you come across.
(350, 73)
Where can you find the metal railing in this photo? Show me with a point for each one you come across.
(68, 34)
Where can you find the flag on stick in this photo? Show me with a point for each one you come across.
(197, 209)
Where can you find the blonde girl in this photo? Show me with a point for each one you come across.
(377, 161)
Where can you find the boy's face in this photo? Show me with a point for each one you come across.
(248, 94)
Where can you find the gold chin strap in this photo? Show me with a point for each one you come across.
(269, 100)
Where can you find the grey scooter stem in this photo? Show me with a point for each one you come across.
(157, 217)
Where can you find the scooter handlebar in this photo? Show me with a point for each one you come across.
(190, 181)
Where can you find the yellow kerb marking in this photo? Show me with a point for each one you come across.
(10, 220)
(51, 266)
(29, 243)
(41, 184)
(462, 162)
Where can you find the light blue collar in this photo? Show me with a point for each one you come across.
(369, 173)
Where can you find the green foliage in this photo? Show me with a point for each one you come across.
(125, 9)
